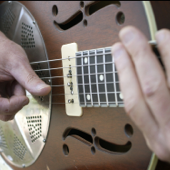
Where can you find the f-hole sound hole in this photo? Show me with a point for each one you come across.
(65, 150)
(93, 150)
(81, 4)
(70, 22)
(85, 22)
(111, 147)
(93, 131)
(120, 18)
(128, 130)
(94, 7)
(55, 10)
(79, 135)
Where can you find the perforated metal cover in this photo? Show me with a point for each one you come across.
(22, 139)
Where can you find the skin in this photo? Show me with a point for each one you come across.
(16, 76)
(147, 98)
(145, 87)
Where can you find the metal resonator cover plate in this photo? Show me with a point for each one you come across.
(22, 139)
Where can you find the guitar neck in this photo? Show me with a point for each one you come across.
(93, 78)
(98, 83)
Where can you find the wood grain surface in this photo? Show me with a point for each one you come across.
(101, 31)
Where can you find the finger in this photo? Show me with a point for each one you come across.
(149, 73)
(163, 41)
(13, 105)
(24, 74)
(14, 88)
(6, 118)
(134, 102)
(17, 89)
(2, 35)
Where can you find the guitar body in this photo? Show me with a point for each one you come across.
(88, 142)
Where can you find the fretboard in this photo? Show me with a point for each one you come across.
(97, 78)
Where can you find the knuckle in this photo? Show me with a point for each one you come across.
(138, 46)
(17, 50)
(30, 77)
(5, 118)
(15, 106)
(19, 54)
(5, 110)
(151, 86)
(140, 50)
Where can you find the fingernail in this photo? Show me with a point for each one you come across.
(127, 35)
(26, 102)
(160, 36)
(41, 86)
(117, 51)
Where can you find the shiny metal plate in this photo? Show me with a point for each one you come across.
(22, 139)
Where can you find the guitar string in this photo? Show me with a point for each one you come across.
(62, 85)
(75, 74)
(70, 66)
(58, 68)
(45, 61)
(78, 75)
(111, 102)
(60, 94)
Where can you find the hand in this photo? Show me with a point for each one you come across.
(145, 86)
(16, 75)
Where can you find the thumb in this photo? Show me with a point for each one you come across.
(24, 74)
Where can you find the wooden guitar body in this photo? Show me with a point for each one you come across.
(97, 139)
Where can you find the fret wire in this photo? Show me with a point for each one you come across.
(90, 80)
(103, 92)
(109, 72)
(83, 79)
(111, 102)
(104, 68)
(61, 85)
(114, 79)
(88, 93)
(96, 71)
(73, 75)
(77, 81)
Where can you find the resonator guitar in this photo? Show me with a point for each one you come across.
(81, 124)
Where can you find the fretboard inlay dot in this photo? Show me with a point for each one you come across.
(98, 82)
(121, 96)
(88, 97)
(85, 60)
(101, 77)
